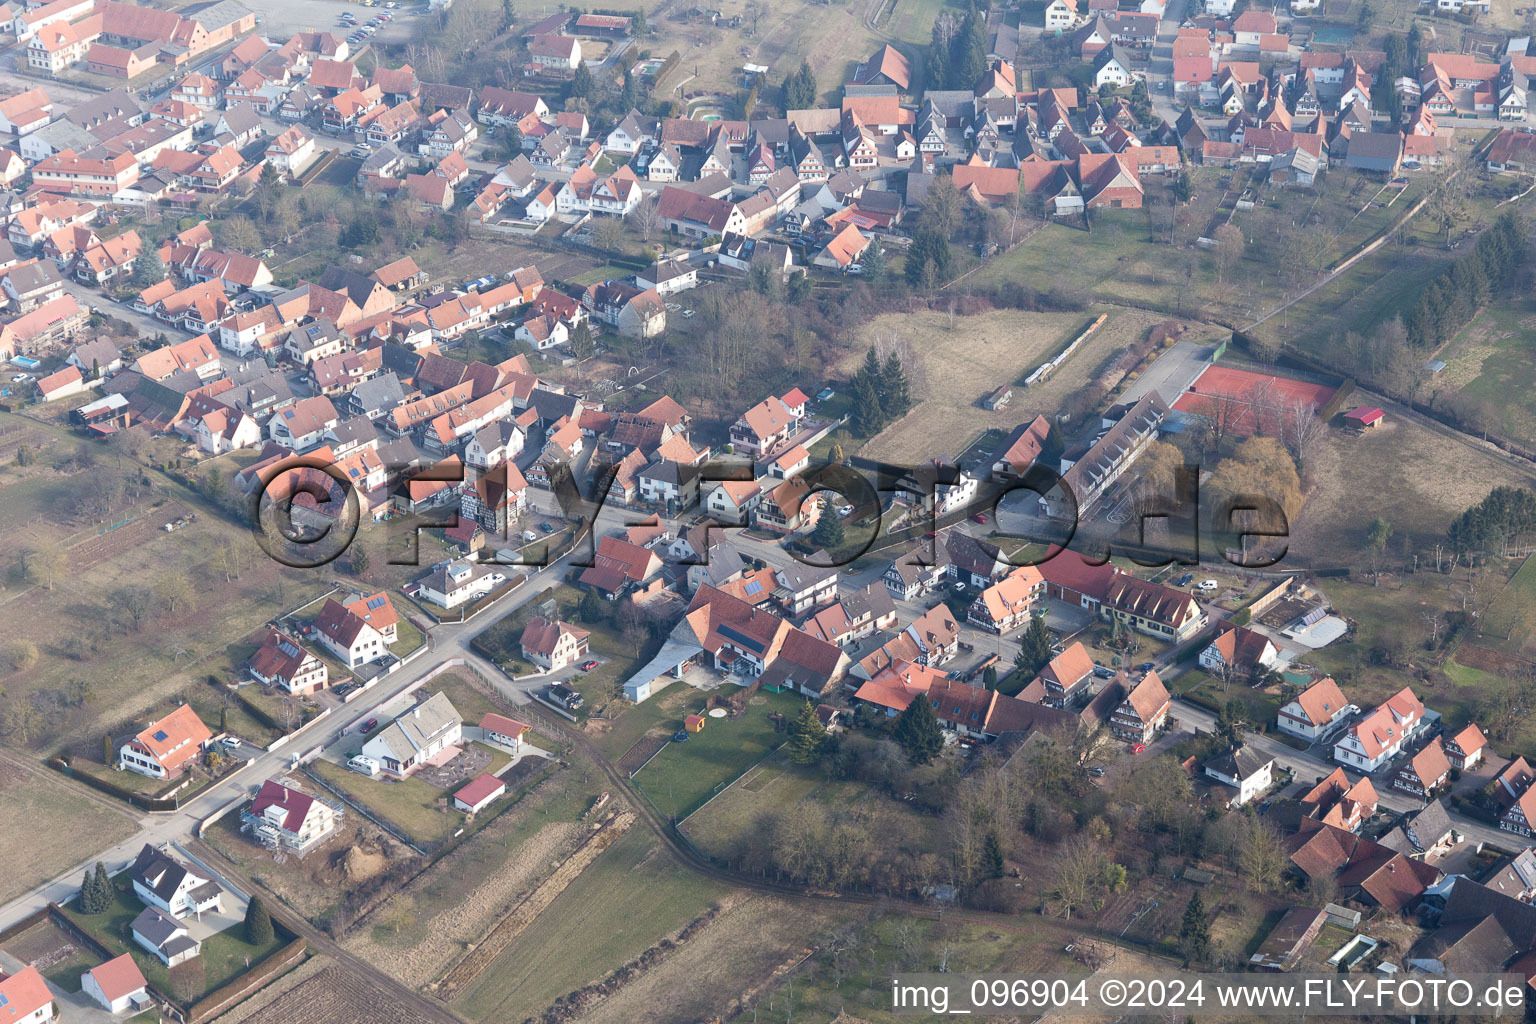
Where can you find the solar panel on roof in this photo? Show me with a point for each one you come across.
(160, 735)
(377, 602)
(754, 587)
(741, 638)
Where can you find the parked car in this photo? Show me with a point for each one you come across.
(588, 666)
(1146, 666)
(844, 511)
(1138, 748)
(369, 726)
(824, 394)
(1185, 580)
(1206, 586)
(547, 527)
(231, 741)
(979, 517)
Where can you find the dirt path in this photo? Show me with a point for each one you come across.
(527, 912)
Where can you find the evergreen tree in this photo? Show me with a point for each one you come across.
(992, 857)
(918, 731)
(799, 287)
(938, 60)
(895, 395)
(104, 888)
(989, 678)
(828, 534)
(148, 268)
(581, 84)
(807, 736)
(591, 608)
(1195, 931)
(800, 89)
(874, 263)
(1183, 188)
(88, 895)
(968, 58)
(508, 14)
(869, 414)
(1034, 647)
(258, 923)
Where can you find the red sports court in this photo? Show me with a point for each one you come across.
(1238, 398)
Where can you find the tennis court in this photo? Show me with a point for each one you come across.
(1243, 401)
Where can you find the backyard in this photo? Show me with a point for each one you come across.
(224, 956)
(684, 775)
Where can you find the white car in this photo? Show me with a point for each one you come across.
(687, 313)
(1208, 585)
(844, 511)
(231, 741)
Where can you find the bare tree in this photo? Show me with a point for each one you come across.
(1303, 429)
(645, 218)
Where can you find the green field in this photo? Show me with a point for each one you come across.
(627, 900)
(1491, 362)
(224, 956)
(1509, 623)
(684, 775)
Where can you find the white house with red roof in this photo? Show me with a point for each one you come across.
(281, 661)
(349, 636)
(167, 746)
(766, 425)
(25, 998)
(553, 645)
(284, 818)
(1315, 710)
(478, 793)
(116, 985)
(1380, 735)
(1465, 749)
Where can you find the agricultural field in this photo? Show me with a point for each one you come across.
(420, 931)
(684, 775)
(1431, 473)
(333, 994)
(955, 362)
(626, 901)
(29, 796)
(733, 955)
(1508, 625)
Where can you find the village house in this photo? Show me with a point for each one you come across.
(281, 662)
(283, 818)
(1379, 736)
(460, 582)
(1465, 749)
(1246, 772)
(167, 885)
(552, 645)
(166, 747)
(1424, 771)
(1067, 677)
(1239, 652)
(1006, 604)
(416, 737)
(1315, 711)
(1143, 711)
(349, 636)
(162, 935)
(116, 986)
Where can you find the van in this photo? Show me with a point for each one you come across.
(529, 536)
(364, 765)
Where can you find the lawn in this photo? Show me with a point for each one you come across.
(684, 775)
(224, 956)
(627, 900)
(1262, 708)
(27, 797)
(411, 804)
(1508, 625)
(1490, 361)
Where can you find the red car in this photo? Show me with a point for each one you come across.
(979, 517)
(1138, 748)
(588, 666)
(369, 725)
